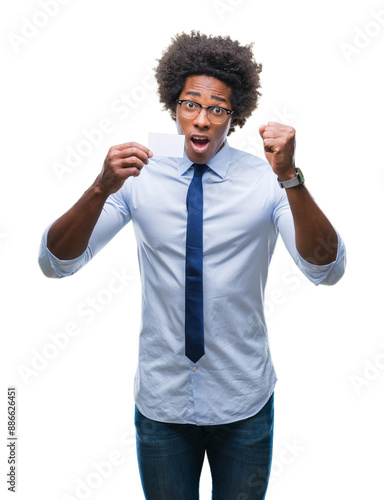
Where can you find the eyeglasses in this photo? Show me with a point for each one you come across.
(191, 109)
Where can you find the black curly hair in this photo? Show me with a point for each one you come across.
(219, 57)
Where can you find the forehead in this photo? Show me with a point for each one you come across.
(208, 88)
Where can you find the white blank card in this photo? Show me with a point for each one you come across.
(166, 144)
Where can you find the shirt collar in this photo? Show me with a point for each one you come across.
(218, 163)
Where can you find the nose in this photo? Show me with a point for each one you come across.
(201, 119)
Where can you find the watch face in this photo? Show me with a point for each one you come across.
(301, 176)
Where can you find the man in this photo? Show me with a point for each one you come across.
(206, 226)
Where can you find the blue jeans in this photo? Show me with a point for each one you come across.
(171, 457)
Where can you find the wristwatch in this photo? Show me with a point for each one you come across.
(296, 181)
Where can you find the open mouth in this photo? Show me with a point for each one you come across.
(199, 143)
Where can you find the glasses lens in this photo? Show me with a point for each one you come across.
(189, 109)
(216, 114)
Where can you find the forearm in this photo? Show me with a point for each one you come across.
(68, 237)
(316, 239)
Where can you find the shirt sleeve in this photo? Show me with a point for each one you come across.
(328, 274)
(114, 216)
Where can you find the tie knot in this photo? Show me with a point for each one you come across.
(199, 169)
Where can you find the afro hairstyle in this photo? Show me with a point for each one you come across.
(215, 56)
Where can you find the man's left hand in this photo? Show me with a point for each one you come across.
(279, 148)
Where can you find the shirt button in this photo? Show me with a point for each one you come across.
(195, 368)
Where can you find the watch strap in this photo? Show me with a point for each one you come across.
(295, 181)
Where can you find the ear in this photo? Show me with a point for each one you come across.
(233, 123)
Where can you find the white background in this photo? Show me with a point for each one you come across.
(323, 74)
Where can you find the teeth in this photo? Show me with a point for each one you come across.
(199, 138)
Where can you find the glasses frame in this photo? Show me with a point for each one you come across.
(228, 111)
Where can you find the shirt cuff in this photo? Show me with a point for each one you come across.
(328, 274)
(53, 267)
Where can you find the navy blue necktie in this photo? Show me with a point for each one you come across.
(194, 319)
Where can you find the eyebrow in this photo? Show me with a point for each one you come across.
(197, 94)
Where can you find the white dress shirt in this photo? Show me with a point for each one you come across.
(244, 211)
